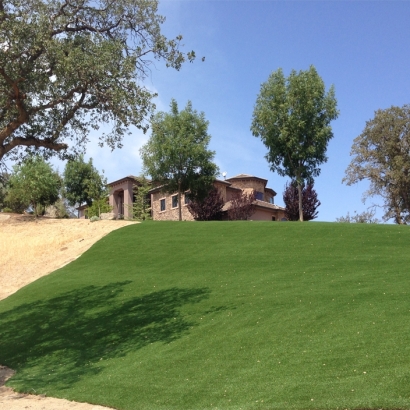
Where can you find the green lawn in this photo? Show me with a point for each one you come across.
(224, 315)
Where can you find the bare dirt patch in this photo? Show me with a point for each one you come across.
(29, 249)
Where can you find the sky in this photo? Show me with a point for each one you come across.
(361, 47)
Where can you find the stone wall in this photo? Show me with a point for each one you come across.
(170, 214)
(248, 184)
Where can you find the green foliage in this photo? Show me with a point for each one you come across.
(33, 183)
(83, 182)
(94, 218)
(142, 202)
(98, 207)
(4, 178)
(177, 156)
(68, 66)
(381, 155)
(200, 316)
(365, 217)
(292, 117)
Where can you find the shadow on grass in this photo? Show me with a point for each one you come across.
(60, 340)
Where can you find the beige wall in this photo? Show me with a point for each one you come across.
(170, 214)
(266, 215)
(121, 195)
(248, 184)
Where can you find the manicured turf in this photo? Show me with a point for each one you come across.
(224, 315)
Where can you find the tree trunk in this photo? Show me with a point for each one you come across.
(300, 202)
(179, 202)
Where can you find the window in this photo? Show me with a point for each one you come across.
(271, 200)
(187, 200)
(162, 204)
(175, 201)
(259, 195)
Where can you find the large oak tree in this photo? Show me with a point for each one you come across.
(292, 117)
(381, 155)
(68, 66)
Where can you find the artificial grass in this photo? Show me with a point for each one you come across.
(224, 315)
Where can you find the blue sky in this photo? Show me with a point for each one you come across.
(363, 48)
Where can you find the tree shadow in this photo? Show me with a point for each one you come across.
(63, 339)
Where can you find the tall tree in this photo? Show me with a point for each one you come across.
(381, 155)
(66, 66)
(177, 155)
(292, 117)
(310, 203)
(34, 182)
(142, 202)
(83, 182)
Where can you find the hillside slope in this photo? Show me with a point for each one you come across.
(235, 315)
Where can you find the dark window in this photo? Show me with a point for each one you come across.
(175, 201)
(187, 200)
(162, 202)
(259, 195)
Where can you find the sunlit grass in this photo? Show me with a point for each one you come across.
(242, 315)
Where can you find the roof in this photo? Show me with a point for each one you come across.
(127, 178)
(247, 176)
(271, 191)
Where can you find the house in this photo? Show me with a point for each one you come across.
(165, 206)
(121, 197)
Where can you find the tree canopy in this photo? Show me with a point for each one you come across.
(66, 66)
(83, 182)
(381, 155)
(34, 182)
(177, 155)
(292, 117)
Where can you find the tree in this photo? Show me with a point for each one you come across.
(34, 183)
(142, 203)
(242, 206)
(83, 182)
(292, 117)
(310, 203)
(4, 178)
(177, 156)
(209, 208)
(381, 155)
(67, 66)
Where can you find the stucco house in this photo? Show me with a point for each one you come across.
(121, 197)
(165, 206)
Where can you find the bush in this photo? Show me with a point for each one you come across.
(99, 207)
(94, 218)
(209, 209)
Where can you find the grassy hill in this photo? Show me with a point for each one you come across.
(235, 315)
